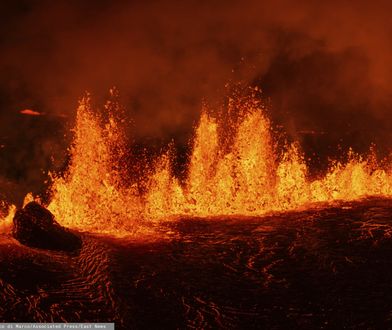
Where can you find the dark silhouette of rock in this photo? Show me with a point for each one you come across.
(36, 226)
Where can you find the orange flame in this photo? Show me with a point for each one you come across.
(247, 177)
(7, 213)
(88, 196)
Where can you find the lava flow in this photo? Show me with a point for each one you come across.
(245, 238)
(245, 174)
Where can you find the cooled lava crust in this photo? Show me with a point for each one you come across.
(320, 268)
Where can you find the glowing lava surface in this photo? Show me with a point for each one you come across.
(245, 174)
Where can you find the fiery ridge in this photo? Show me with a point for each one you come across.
(243, 175)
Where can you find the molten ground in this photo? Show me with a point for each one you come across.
(320, 268)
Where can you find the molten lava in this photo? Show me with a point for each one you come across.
(30, 112)
(90, 195)
(245, 174)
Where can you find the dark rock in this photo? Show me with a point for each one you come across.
(35, 226)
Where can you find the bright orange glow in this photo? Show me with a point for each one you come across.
(7, 213)
(247, 177)
(88, 196)
(30, 112)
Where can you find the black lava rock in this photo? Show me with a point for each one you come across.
(35, 226)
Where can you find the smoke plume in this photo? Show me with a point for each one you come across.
(323, 66)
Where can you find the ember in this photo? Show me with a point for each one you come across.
(30, 112)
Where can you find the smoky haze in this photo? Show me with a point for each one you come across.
(325, 68)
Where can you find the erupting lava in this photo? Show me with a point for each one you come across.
(245, 174)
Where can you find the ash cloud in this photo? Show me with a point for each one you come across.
(324, 66)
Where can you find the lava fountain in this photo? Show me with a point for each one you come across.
(246, 174)
(91, 196)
